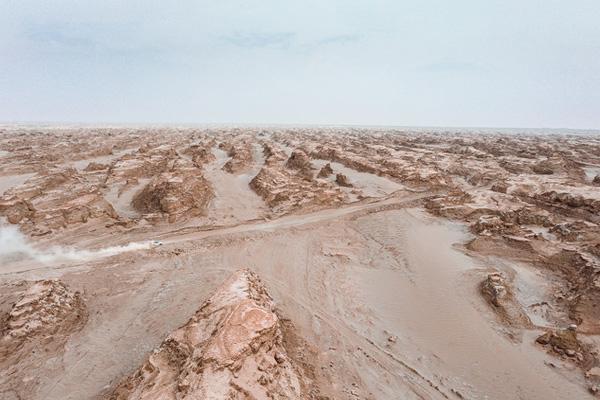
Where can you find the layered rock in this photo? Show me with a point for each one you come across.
(284, 192)
(326, 171)
(16, 209)
(94, 166)
(575, 204)
(286, 188)
(543, 168)
(200, 154)
(241, 158)
(232, 348)
(495, 290)
(565, 343)
(342, 180)
(175, 194)
(85, 207)
(45, 312)
(298, 160)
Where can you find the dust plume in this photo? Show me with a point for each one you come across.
(15, 246)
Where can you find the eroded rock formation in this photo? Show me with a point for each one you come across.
(46, 311)
(232, 348)
(175, 195)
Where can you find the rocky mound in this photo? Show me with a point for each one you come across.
(46, 312)
(58, 215)
(565, 344)
(175, 195)
(342, 180)
(326, 171)
(16, 209)
(562, 342)
(543, 168)
(284, 191)
(85, 207)
(230, 349)
(573, 204)
(200, 154)
(273, 154)
(298, 160)
(241, 158)
(94, 166)
(498, 294)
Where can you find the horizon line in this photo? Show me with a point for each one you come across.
(116, 124)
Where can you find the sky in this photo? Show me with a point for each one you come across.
(509, 63)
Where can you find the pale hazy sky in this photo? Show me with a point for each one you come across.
(526, 63)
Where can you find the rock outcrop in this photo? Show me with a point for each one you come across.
(232, 348)
(175, 195)
(298, 160)
(326, 171)
(47, 311)
(543, 168)
(16, 209)
(241, 158)
(342, 180)
(496, 291)
(284, 191)
(94, 166)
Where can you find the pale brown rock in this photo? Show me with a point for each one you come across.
(326, 171)
(230, 349)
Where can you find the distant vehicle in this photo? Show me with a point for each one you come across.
(156, 243)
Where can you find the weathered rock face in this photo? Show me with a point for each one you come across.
(94, 166)
(585, 207)
(500, 187)
(298, 160)
(241, 158)
(45, 312)
(325, 171)
(85, 207)
(33, 333)
(175, 194)
(200, 153)
(287, 189)
(230, 349)
(78, 210)
(543, 168)
(487, 224)
(596, 180)
(356, 162)
(284, 191)
(273, 155)
(565, 343)
(496, 291)
(15, 209)
(342, 180)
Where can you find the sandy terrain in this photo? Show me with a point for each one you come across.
(333, 263)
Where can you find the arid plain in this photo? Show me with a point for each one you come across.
(307, 263)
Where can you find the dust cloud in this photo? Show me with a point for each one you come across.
(15, 246)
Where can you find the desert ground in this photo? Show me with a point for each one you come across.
(298, 263)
